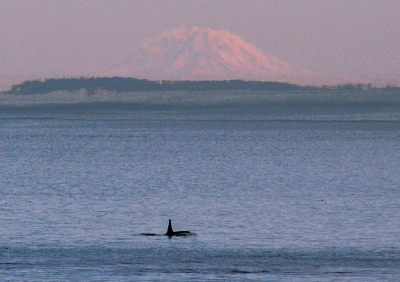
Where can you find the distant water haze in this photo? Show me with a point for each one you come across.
(193, 53)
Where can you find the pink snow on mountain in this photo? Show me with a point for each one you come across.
(204, 54)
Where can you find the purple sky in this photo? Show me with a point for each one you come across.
(79, 37)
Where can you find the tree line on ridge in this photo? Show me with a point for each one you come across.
(126, 84)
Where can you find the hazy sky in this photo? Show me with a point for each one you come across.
(78, 37)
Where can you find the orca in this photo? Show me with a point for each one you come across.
(171, 232)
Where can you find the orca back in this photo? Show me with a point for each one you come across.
(171, 232)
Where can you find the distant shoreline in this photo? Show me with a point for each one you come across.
(92, 85)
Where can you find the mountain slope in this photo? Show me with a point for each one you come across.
(204, 54)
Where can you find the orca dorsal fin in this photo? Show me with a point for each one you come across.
(170, 231)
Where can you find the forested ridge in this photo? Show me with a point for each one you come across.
(125, 84)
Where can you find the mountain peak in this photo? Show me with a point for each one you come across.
(193, 53)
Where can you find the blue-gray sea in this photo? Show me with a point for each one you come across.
(277, 187)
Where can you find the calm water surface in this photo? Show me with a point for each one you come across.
(299, 194)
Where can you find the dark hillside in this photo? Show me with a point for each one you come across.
(124, 84)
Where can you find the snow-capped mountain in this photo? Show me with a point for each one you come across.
(205, 54)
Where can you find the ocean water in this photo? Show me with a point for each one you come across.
(277, 187)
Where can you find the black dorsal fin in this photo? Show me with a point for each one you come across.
(170, 231)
